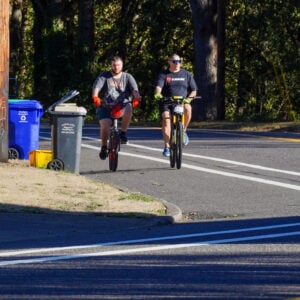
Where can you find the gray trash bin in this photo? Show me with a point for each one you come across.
(66, 131)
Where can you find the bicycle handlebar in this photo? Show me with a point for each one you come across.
(113, 104)
(178, 99)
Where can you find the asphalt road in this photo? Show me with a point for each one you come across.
(224, 173)
(238, 238)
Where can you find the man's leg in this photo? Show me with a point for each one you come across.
(187, 116)
(104, 129)
(187, 120)
(166, 130)
(166, 127)
(126, 119)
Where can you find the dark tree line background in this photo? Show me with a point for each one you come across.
(244, 54)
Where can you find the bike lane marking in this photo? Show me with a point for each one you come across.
(258, 135)
(253, 166)
(213, 159)
(151, 248)
(206, 170)
(223, 160)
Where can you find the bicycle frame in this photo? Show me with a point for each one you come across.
(177, 121)
(113, 145)
(114, 133)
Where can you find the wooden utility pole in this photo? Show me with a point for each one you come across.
(4, 78)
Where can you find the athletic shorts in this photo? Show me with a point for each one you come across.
(164, 107)
(104, 113)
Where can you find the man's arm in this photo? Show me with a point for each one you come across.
(95, 92)
(98, 84)
(192, 87)
(192, 94)
(157, 90)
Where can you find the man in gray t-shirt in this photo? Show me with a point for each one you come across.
(114, 87)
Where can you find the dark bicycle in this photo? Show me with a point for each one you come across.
(176, 104)
(113, 147)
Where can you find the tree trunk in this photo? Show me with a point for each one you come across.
(204, 17)
(221, 61)
(40, 23)
(4, 78)
(15, 36)
(86, 27)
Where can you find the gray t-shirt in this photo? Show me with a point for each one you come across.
(115, 89)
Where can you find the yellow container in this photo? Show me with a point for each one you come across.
(40, 158)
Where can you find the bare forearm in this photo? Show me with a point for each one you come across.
(192, 94)
(157, 90)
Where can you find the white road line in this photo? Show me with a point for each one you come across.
(148, 240)
(211, 171)
(232, 162)
(146, 249)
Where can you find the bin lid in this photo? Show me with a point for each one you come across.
(65, 98)
(24, 104)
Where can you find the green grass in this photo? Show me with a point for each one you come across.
(137, 197)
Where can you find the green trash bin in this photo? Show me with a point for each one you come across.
(66, 134)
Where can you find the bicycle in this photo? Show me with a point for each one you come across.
(114, 144)
(176, 135)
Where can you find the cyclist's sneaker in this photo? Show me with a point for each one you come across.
(185, 139)
(166, 151)
(123, 138)
(103, 153)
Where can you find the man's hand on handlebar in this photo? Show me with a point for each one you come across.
(97, 101)
(187, 100)
(158, 96)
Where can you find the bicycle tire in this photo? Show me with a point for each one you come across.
(114, 148)
(173, 146)
(179, 133)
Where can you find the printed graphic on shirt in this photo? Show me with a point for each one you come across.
(115, 88)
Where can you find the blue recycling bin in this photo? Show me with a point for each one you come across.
(23, 127)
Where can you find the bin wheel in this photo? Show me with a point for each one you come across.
(13, 153)
(56, 165)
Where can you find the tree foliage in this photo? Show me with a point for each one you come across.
(262, 58)
(61, 45)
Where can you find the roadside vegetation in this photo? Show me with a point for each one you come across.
(56, 46)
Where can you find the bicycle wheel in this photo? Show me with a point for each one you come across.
(179, 134)
(113, 150)
(173, 146)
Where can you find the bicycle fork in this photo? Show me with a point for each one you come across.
(175, 120)
(114, 137)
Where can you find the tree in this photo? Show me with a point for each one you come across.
(18, 48)
(206, 33)
(262, 65)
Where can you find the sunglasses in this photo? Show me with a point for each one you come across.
(176, 61)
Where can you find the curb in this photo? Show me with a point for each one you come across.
(173, 215)
(173, 211)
